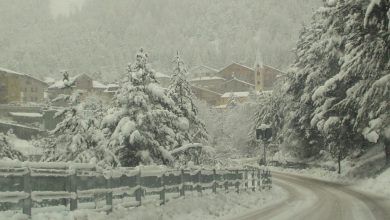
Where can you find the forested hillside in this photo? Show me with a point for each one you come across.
(101, 36)
(335, 98)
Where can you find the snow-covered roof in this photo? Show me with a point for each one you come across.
(11, 71)
(98, 85)
(26, 114)
(161, 75)
(208, 90)
(205, 78)
(240, 81)
(4, 70)
(49, 80)
(112, 87)
(220, 106)
(271, 67)
(235, 63)
(60, 84)
(235, 94)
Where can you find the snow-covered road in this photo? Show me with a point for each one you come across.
(314, 199)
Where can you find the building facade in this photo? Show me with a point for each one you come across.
(266, 77)
(20, 87)
(234, 79)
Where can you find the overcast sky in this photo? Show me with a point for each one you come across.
(64, 7)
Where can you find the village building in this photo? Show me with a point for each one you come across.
(207, 95)
(235, 85)
(83, 83)
(234, 78)
(266, 77)
(202, 71)
(208, 82)
(20, 88)
(239, 72)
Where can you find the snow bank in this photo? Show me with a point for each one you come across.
(378, 185)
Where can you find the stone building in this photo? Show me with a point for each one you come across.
(20, 88)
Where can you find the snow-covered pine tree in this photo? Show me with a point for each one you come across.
(340, 66)
(180, 92)
(143, 124)
(7, 149)
(78, 136)
(365, 59)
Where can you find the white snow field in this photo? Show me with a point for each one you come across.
(313, 199)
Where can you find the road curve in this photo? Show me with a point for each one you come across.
(312, 199)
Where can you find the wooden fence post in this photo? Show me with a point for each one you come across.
(27, 202)
(162, 192)
(200, 181)
(246, 179)
(73, 189)
(138, 192)
(182, 189)
(226, 184)
(253, 180)
(214, 181)
(109, 193)
(258, 179)
(237, 183)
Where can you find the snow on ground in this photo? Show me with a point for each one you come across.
(194, 207)
(378, 185)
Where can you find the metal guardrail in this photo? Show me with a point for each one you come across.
(29, 183)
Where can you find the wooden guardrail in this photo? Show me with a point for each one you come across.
(69, 184)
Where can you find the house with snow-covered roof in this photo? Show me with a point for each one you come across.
(234, 78)
(238, 71)
(202, 71)
(20, 87)
(208, 82)
(236, 85)
(81, 82)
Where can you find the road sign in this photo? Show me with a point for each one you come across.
(264, 133)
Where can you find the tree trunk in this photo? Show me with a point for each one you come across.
(387, 151)
(339, 162)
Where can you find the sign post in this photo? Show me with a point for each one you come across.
(264, 134)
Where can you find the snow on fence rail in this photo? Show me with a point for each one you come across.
(71, 184)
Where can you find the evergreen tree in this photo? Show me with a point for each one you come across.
(341, 66)
(180, 92)
(144, 124)
(7, 149)
(78, 136)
